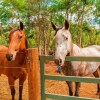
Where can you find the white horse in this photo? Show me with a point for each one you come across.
(65, 47)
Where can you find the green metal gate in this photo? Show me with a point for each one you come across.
(44, 77)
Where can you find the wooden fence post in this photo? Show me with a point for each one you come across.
(33, 74)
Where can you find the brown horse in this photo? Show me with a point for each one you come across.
(13, 59)
(65, 47)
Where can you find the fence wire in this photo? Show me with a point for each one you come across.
(5, 93)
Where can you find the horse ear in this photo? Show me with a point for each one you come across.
(53, 26)
(10, 27)
(66, 24)
(21, 26)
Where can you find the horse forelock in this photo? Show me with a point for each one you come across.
(12, 31)
(17, 29)
(58, 30)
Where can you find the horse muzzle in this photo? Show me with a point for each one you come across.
(58, 61)
(9, 57)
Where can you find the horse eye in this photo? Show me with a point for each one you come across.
(66, 38)
(20, 37)
(16, 49)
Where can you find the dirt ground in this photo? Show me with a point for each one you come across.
(57, 87)
(60, 87)
(5, 90)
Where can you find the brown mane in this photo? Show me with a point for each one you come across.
(12, 31)
(26, 43)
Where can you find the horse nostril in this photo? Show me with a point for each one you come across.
(56, 61)
(9, 57)
(60, 61)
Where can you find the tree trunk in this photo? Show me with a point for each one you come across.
(80, 25)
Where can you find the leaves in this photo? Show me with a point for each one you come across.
(38, 14)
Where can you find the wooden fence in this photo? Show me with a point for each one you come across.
(35, 73)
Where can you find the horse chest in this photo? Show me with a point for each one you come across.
(67, 69)
(74, 68)
(15, 73)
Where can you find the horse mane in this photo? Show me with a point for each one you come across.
(26, 43)
(12, 31)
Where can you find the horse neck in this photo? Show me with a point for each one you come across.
(75, 51)
(69, 70)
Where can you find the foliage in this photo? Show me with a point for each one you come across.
(38, 14)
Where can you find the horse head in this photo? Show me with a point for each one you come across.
(63, 43)
(18, 41)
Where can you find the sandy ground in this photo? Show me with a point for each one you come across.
(57, 87)
(5, 90)
(60, 87)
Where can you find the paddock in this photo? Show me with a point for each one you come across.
(32, 84)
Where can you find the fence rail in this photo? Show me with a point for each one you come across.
(31, 64)
(44, 77)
